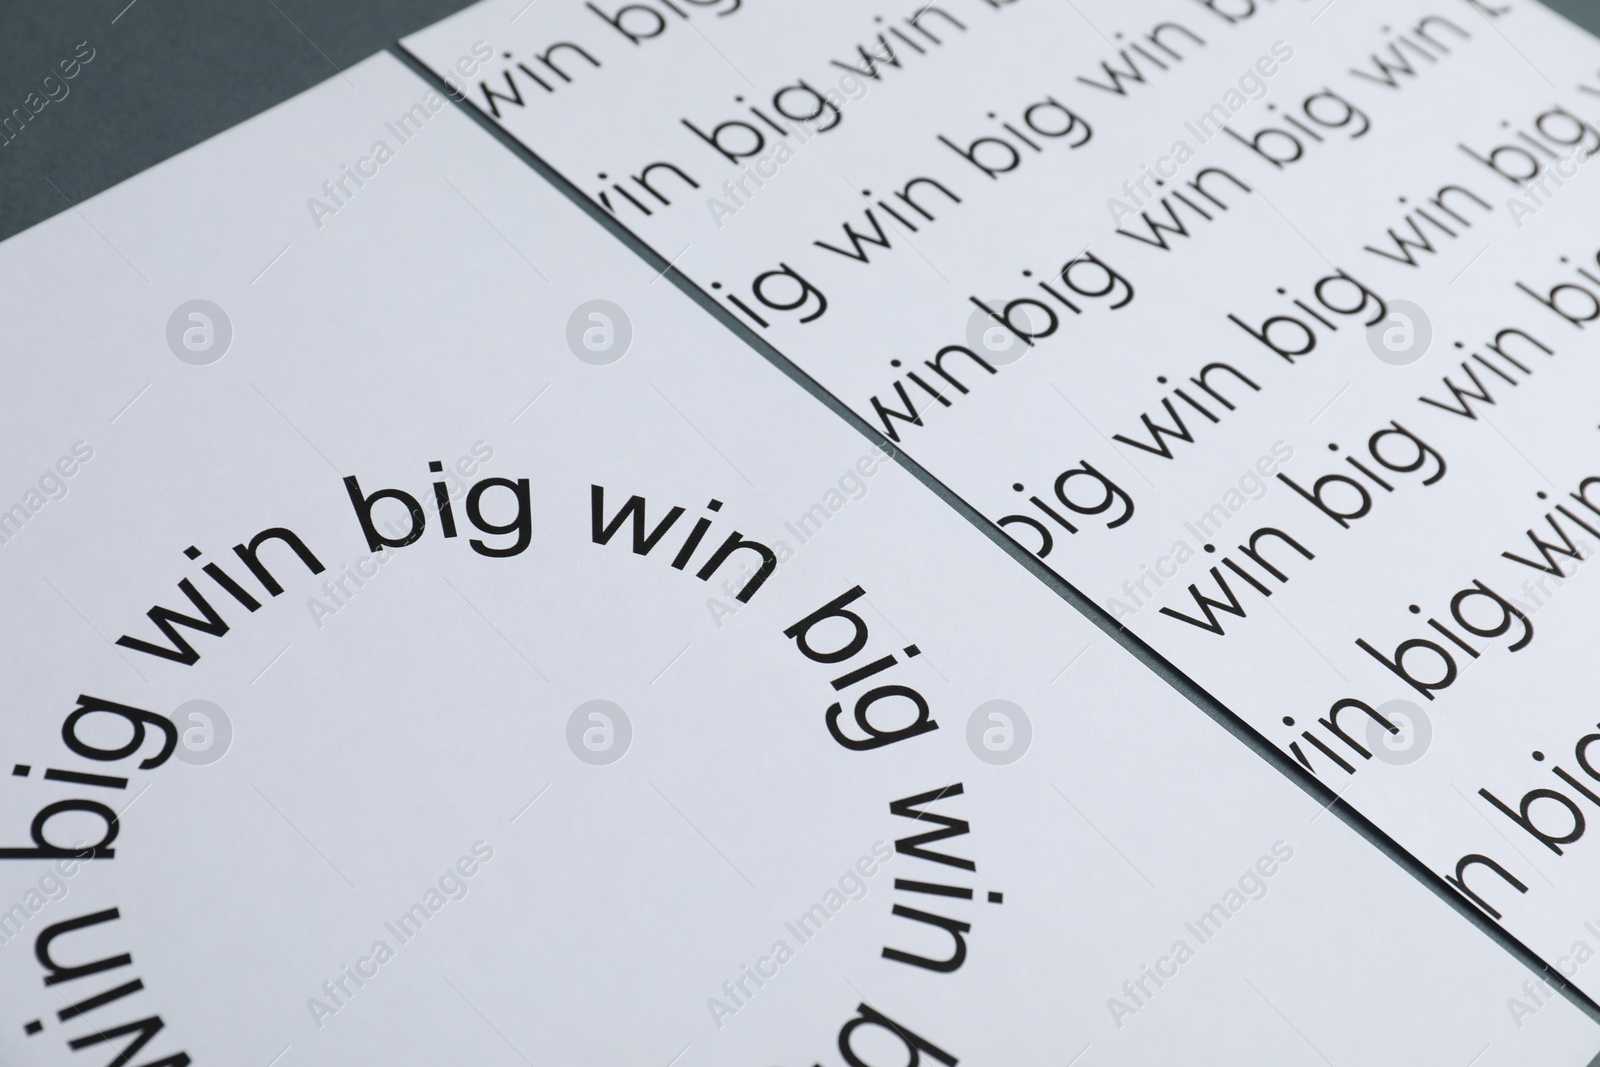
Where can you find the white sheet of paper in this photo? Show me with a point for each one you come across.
(1322, 231)
(402, 751)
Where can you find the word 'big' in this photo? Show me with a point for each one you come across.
(520, 524)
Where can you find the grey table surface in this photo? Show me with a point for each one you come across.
(167, 74)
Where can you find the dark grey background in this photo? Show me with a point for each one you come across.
(167, 74)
